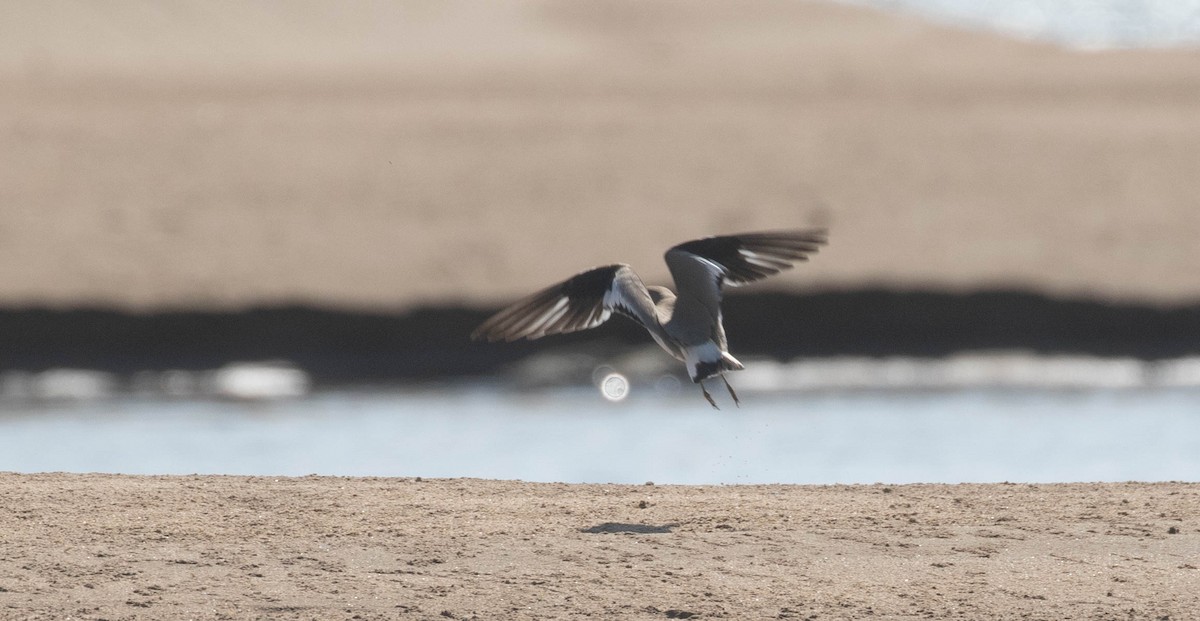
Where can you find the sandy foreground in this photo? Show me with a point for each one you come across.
(211, 547)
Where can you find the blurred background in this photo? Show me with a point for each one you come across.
(253, 237)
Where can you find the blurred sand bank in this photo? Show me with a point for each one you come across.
(383, 155)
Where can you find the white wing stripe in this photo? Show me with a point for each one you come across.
(712, 267)
(615, 297)
(760, 260)
(550, 316)
(560, 309)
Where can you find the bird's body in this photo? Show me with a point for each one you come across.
(687, 323)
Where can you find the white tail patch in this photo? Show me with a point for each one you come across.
(703, 361)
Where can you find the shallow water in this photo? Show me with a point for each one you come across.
(576, 436)
(1094, 24)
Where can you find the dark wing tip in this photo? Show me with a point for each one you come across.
(483, 333)
(747, 257)
(571, 305)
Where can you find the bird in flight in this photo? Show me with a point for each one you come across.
(686, 324)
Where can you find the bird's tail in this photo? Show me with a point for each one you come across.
(708, 361)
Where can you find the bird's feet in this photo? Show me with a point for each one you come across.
(732, 392)
(708, 396)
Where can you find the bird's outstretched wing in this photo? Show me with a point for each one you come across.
(702, 267)
(740, 259)
(583, 301)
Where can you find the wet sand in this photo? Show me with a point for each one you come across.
(204, 547)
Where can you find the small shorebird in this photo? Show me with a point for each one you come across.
(688, 324)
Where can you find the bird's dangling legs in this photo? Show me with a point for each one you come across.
(732, 393)
(707, 396)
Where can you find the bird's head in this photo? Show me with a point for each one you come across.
(660, 294)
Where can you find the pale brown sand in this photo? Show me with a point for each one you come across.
(122, 547)
(393, 153)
